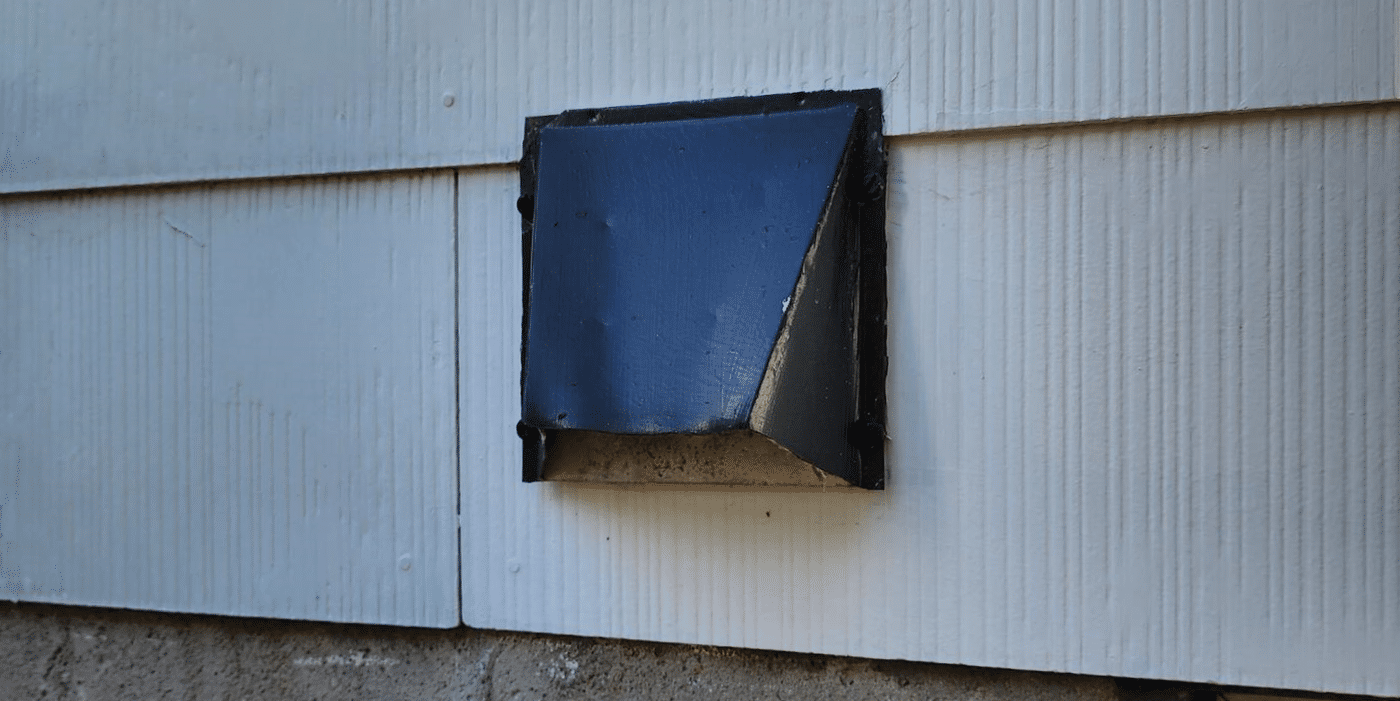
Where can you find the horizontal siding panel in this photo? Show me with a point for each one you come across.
(235, 399)
(103, 93)
(1145, 422)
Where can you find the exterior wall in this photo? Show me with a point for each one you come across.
(1145, 373)
(1144, 398)
(233, 399)
(109, 93)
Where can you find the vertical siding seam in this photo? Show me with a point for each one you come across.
(457, 463)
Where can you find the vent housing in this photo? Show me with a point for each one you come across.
(705, 293)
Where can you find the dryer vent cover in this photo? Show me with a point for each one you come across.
(705, 293)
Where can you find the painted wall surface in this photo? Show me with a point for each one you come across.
(108, 92)
(1145, 421)
(1145, 375)
(235, 399)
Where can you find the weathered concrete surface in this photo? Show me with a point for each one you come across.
(59, 652)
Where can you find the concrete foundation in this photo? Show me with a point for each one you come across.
(60, 652)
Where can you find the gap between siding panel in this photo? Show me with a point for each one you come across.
(1148, 122)
(467, 169)
(157, 186)
(457, 373)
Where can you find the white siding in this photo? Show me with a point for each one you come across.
(1145, 419)
(112, 92)
(1145, 375)
(235, 399)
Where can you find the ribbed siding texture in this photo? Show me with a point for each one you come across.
(114, 93)
(1145, 421)
(236, 399)
(489, 275)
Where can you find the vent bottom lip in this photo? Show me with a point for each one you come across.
(741, 457)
